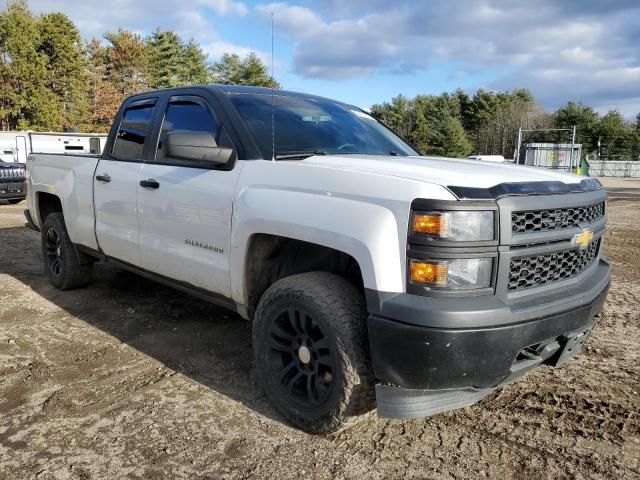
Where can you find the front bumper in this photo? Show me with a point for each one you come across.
(12, 190)
(426, 367)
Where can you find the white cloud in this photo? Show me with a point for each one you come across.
(95, 17)
(560, 49)
(291, 20)
(224, 7)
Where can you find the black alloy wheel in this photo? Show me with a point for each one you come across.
(53, 247)
(301, 358)
(64, 266)
(311, 351)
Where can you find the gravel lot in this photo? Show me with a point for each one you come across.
(129, 379)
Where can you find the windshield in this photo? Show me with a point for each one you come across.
(310, 126)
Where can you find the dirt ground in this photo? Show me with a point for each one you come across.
(129, 379)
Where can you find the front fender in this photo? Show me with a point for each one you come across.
(372, 231)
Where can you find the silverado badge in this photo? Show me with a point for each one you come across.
(582, 239)
(206, 246)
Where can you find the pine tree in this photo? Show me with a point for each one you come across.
(635, 153)
(68, 80)
(397, 115)
(228, 70)
(421, 134)
(195, 64)
(465, 108)
(584, 118)
(449, 139)
(10, 105)
(26, 101)
(128, 66)
(166, 59)
(231, 70)
(255, 72)
(616, 136)
(484, 106)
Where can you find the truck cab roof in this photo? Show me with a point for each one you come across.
(235, 89)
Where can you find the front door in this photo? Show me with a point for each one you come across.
(116, 183)
(185, 208)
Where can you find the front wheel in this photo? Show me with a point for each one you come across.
(63, 265)
(311, 351)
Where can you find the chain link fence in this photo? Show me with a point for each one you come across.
(616, 168)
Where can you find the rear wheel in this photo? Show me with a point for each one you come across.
(63, 265)
(311, 351)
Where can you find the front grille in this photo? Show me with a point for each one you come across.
(534, 271)
(11, 173)
(554, 219)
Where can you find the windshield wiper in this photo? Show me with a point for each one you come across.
(391, 153)
(299, 155)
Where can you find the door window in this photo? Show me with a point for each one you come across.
(131, 134)
(186, 116)
(94, 145)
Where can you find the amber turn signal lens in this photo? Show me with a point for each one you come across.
(429, 273)
(431, 224)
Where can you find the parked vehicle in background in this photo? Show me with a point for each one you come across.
(24, 143)
(489, 158)
(364, 268)
(8, 155)
(12, 182)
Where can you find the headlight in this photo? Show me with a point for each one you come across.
(453, 273)
(456, 225)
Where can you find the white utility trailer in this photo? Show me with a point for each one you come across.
(24, 143)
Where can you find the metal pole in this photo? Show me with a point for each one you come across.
(273, 102)
(272, 66)
(573, 141)
(517, 157)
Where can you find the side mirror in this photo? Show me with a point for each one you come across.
(196, 146)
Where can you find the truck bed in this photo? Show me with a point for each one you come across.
(70, 178)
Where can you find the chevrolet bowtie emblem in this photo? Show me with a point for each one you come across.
(583, 239)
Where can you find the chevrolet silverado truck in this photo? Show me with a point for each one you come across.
(12, 176)
(372, 276)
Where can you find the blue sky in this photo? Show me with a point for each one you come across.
(367, 51)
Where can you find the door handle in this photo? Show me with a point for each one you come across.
(149, 183)
(103, 178)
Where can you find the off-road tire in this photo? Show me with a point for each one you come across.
(336, 309)
(65, 267)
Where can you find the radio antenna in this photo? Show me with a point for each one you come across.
(273, 106)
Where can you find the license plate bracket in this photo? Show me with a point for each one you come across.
(572, 345)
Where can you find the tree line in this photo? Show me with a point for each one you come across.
(458, 124)
(51, 80)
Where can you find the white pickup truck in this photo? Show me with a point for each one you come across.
(371, 275)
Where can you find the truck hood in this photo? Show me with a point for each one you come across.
(442, 171)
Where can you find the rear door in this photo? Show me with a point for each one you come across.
(116, 183)
(185, 209)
